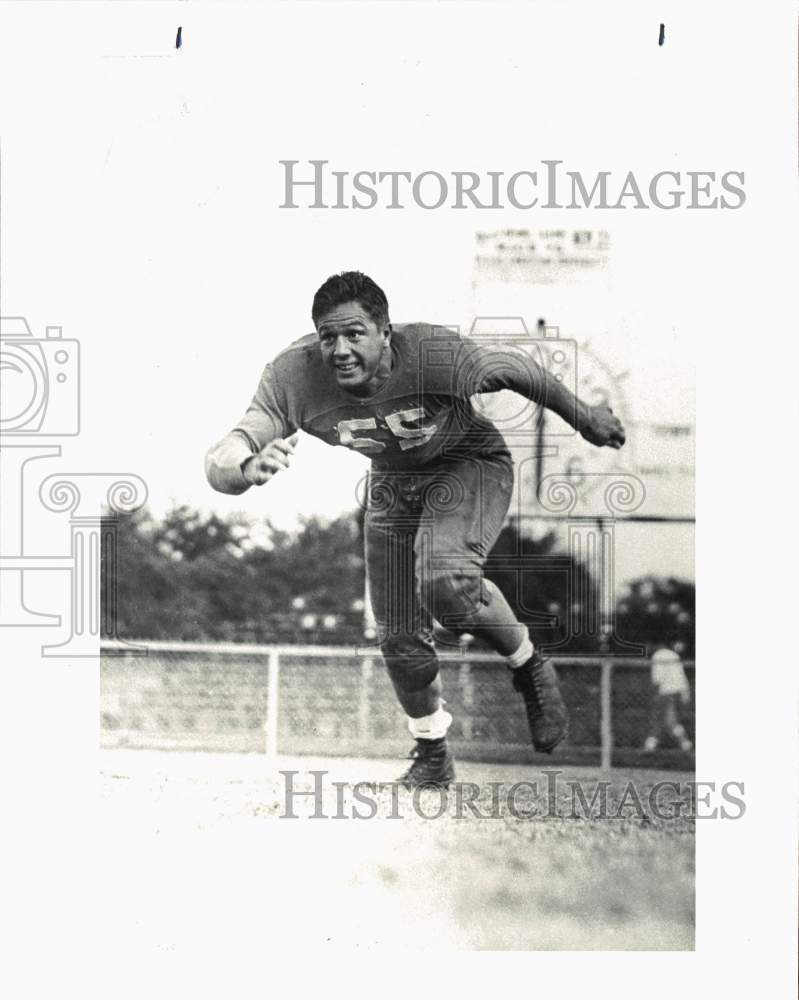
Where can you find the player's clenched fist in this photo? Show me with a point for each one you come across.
(603, 428)
(259, 468)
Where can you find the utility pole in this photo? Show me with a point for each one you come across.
(539, 442)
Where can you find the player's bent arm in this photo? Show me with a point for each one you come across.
(231, 468)
(259, 446)
(223, 464)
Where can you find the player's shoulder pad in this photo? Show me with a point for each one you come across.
(300, 356)
(427, 342)
(423, 331)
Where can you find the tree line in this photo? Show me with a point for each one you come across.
(202, 577)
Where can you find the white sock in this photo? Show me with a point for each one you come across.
(522, 654)
(430, 727)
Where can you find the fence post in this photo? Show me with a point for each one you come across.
(272, 687)
(364, 720)
(467, 694)
(605, 720)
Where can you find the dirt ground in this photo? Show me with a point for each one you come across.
(201, 854)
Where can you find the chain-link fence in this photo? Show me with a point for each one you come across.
(338, 701)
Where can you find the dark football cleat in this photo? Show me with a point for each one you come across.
(537, 682)
(433, 765)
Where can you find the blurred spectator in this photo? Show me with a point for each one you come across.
(670, 692)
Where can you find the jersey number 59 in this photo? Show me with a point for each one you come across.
(398, 423)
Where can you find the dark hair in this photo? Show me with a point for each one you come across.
(351, 286)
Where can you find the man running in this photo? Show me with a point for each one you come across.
(439, 487)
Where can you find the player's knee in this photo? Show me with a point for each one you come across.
(411, 669)
(453, 595)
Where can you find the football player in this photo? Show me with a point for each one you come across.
(439, 487)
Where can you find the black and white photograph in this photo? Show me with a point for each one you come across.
(395, 538)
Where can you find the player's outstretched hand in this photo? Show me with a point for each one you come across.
(273, 457)
(603, 428)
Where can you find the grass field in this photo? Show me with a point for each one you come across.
(199, 855)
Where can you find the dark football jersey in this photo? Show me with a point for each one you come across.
(421, 412)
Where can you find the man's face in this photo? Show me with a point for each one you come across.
(355, 347)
